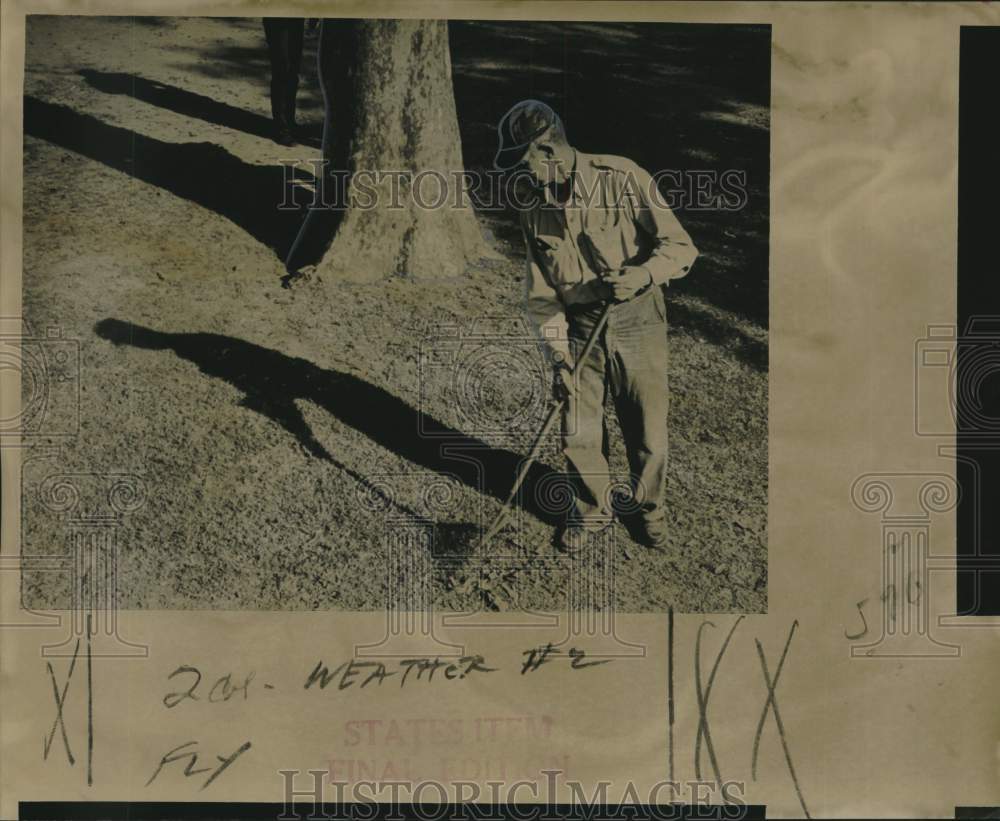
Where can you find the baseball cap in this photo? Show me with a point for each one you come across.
(524, 122)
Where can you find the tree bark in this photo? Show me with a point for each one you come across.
(390, 107)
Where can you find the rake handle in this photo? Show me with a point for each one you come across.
(549, 422)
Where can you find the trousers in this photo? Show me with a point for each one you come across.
(284, 47)
(629, 361)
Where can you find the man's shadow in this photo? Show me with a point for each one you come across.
(271, 382)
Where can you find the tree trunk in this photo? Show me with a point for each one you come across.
(390, 107)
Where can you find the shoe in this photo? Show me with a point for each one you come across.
(653, 535)
(572, 538)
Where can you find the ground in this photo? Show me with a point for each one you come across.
(276, 429)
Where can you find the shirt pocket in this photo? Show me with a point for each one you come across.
(558, 257)
(606, 247)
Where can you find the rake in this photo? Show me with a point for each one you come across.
(501, 518)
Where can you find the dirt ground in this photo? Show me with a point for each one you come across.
(276, 430)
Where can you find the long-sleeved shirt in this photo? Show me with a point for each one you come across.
(613, 218)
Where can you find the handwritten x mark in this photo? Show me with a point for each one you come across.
(703, 696)
(60, 701)
(771, 706)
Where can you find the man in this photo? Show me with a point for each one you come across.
(284, 37)
(598, 233)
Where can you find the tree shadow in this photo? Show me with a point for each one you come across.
(271, 382)
(149, 21)
(178, 100)
(228, 61)
(732, 278)
(250, 196)
(752, 352)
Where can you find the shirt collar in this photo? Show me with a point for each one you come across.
(573, 175)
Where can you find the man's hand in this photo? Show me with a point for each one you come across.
(624, 283)
(563, 385)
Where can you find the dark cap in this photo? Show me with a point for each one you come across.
(526, 121)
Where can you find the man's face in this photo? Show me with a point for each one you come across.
(544, 162)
